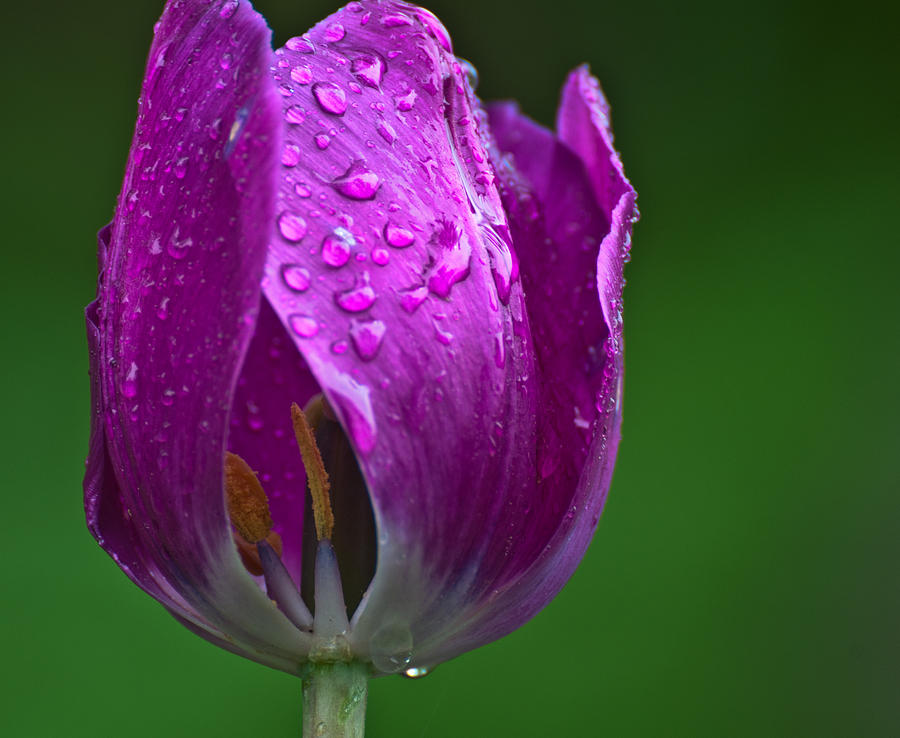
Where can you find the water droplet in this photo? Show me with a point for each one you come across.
(354, 7)
(322, 141)
(411, 299)
(180, 168)
(393, 20)
(504, 265)
(295, 277)
(178, 248)
(302, 190)
(290, 156)
(331, 97)
(405, 101)
(129, 386)
(452, 265)
(353, 404)
(469, 70)
(435, 28)
(226, 61)
(300, 44)
(358, 298)
(334, 32)
(168, 397)
(380, 255)
(336, 247)
(367, 337)
(321, 728)
(358, 182)
(397, 236)
(368, 68)
(240, 120)
(444, 337)
(285, 90)
(391, 648)
(417, 672)
(304, 326)
(291, 226)
(228, 9)
(340, 347)
(302, 74)
(162, 312)
(295, 114)
(385, 131)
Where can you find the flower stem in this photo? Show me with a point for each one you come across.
(334, 700)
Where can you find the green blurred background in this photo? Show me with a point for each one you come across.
(744, 579)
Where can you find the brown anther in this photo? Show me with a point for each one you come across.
(248, 506)
(316, 475)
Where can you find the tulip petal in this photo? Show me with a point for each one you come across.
(414, 319)
(273, 376)
(571, 211)
(191, 228)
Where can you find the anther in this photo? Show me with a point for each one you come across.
(248, 506)
(316, 475)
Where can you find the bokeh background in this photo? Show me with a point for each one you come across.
(744, 579)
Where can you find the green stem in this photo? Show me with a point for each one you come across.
(334, 700)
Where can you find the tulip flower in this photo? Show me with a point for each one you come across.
(356, 352)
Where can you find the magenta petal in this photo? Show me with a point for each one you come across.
(414, 321)
(176, 308)
(571, 214)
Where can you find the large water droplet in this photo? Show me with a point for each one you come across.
(397, 236)
(469, 70)
(300, 44)
(295, 277)
(322, 141)
(334, 32)
(295, 114)
(405, 101)
(358, 182)
(367, 337)
(417, 672)
(353, 404)
(336, 247)
(291, 226)
(386, 131)
(435, 27)
(304, 326)
(368, 68)
(290, 155)
(393, 20)
(228, 9)
(302, 74)
(358, 298)
(331, 97)
(391, 648)
(380, 255)
(411, 299)
(452, 265)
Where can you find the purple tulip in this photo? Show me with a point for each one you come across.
(340, 224)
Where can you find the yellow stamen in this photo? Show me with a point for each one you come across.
(316, 475)
(248, 506)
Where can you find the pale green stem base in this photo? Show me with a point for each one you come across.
(334, 700)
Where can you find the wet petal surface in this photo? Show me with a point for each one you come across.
(191, 228)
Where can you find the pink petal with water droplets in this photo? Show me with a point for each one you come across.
(191, 240)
